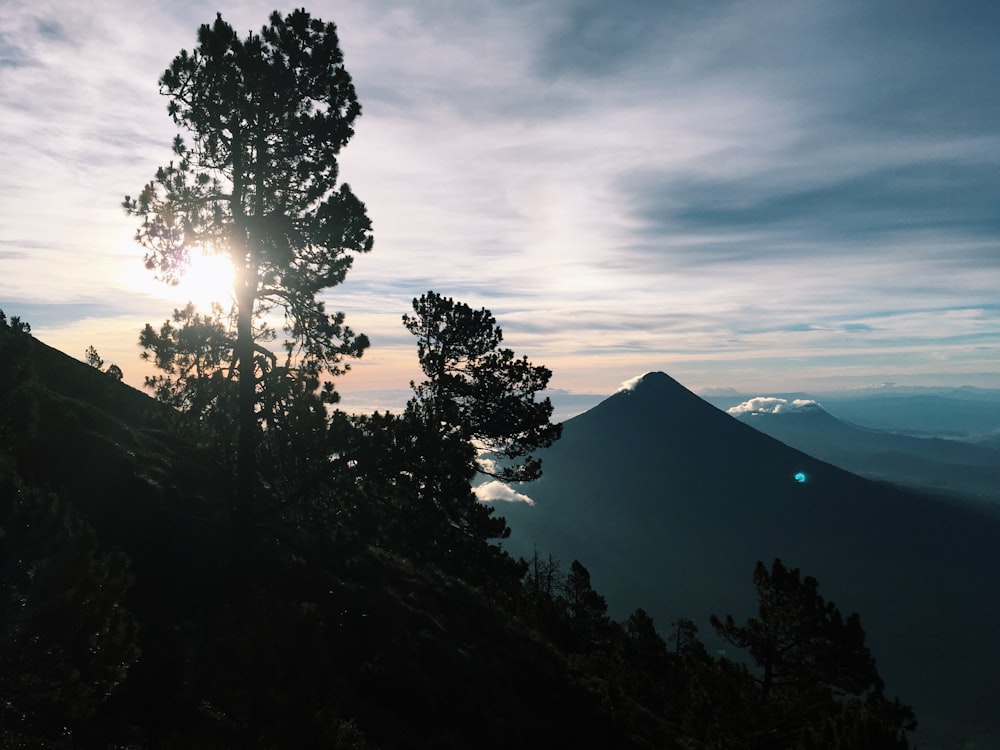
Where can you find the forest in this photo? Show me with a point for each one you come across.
(233, 561)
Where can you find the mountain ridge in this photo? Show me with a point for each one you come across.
(943, 465)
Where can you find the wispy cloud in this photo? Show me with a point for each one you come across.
(741, 194)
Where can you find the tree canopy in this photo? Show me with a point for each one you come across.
(815, 673)
(479, 387)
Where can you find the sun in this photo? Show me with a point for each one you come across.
(208, 279)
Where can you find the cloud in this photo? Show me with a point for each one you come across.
(858, 198)
(589, 39)
(774, 405)
(632, 383)
(497, 491)
(486, 463)
(43, 315)
(762, 194)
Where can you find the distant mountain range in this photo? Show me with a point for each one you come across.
(947, 466)
(670, 502)
(962, 413)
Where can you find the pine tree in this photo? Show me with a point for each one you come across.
(587, 610)
(475, 386)
(685, 634)
(418, 466)
(812, 663)
(262, 121)
(93, 358)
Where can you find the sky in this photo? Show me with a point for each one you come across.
(762, 196)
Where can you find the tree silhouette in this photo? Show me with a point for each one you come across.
(799, 641)
(93, 358)
(14, 326)
(587, 610)
(684, 634)
(66, 641)
(814, 669)
(646, 661)
(419, 477)
(545, 577)
(262, 122)
(480, 388)
(415, 468)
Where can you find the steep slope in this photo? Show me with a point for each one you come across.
(355, 643)
(115, 454)
(951, 466)
(670, 502)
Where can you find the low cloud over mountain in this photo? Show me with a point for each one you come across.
(773, 405)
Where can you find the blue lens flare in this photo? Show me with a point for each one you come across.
(800, 478)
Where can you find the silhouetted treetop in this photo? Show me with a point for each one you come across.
(479, 387)
(815, 673)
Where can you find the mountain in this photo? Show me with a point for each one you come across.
(947, 466)
(670, 502)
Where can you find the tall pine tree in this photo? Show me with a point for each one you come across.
(262, 121)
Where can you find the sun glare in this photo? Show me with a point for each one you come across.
(208, 279)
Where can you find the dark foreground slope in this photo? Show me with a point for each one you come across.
(347, 647)
(115, 456)
(671, 502)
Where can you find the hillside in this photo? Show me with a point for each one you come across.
(140, 615)
(671, 500)
(360, 645)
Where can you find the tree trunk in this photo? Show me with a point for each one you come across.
(246, 445)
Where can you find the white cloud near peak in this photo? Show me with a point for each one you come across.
(632, 383)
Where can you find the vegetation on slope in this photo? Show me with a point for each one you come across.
(141, 634)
